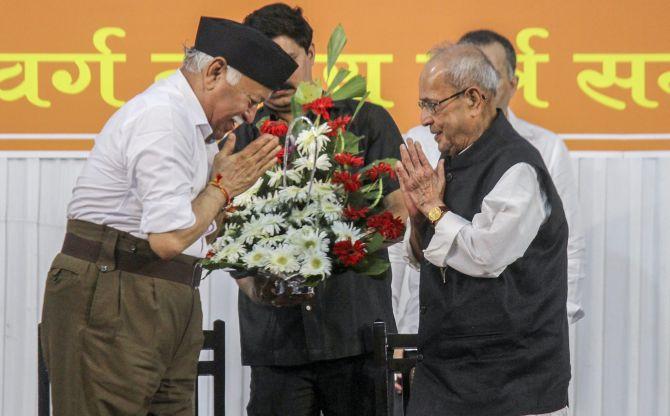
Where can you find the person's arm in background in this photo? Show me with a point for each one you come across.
(560, 169)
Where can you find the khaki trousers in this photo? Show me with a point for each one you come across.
(118, 343)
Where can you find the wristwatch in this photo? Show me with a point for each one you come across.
(436, 213)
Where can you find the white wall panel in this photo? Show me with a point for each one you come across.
(621, 349)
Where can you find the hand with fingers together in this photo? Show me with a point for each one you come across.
(237, 172)
(422, 186)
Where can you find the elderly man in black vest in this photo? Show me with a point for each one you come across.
(490, 235)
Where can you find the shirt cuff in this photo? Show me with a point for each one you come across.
(446, 230)
(166, 215)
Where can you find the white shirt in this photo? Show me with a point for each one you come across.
(557, 159)
(148, 164)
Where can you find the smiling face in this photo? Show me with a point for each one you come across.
(447, 123)
(280, 100)
(228, 105)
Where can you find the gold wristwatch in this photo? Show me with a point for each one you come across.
(436, 213)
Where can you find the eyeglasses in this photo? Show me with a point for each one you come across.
(431, 106)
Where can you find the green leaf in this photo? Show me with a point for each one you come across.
(359, 106)
(375, 243)
(351, 142)
(355, 87)
(373, 266)
(339, 77)
(261, 121)
(335, 45)
(296, 108)
(308, 92)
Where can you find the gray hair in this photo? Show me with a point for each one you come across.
(196, 61)
(467, 67)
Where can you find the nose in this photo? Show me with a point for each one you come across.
(250, 114)
(426, 118)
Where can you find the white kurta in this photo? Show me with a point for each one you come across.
(149, 162)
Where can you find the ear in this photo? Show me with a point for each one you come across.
(476, 99)
(311, 53)
(215, 72)
(515, 83)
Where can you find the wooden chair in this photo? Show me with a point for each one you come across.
(215, 340)
(387, 366)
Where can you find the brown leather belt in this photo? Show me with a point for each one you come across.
(186, 272)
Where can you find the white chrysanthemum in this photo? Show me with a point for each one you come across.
(307, 163)
(331, 210)
(308, 239)
(259, 256)
(346, 231)
(230, 230)
(277, 174)
(283, 260)
(323, 192)
(271, 223)
(291, 194)
(243, 214)
(246, 197)
(230, 253)
(316, 264)
(307, 138)
(309, 214)
(252, 229)
(272, 242)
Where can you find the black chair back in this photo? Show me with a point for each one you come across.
(387, 366)
(215, 340)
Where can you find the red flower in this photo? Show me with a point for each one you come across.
(351, 181)
(320, 107)
(338, 124)
(280, 156)
(387, 225)
(349, 254)
(210, 254)
(380, 169)
(275, 128)
(353, 213)
(347, 159)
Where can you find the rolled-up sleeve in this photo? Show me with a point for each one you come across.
(161, 171)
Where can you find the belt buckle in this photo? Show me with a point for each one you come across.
(197, 275)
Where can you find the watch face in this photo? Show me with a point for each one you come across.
(434, 213)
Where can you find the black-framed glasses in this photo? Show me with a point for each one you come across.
(431, 106)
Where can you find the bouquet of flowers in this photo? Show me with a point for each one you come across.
(318, 212)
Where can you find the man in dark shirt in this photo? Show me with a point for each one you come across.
(315, 356)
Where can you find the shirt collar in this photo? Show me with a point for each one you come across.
(196, 114)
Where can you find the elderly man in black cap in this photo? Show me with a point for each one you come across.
(122, 323)
(489, 230)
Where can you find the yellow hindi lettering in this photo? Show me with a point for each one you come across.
(589, 80)
(373, 74)
(529, 60)
(29, 86)
(62, 80)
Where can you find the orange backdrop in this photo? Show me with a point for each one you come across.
(597, 72)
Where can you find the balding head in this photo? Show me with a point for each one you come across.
(456, 90)
(463, 66)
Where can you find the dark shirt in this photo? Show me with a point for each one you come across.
(337, 322)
